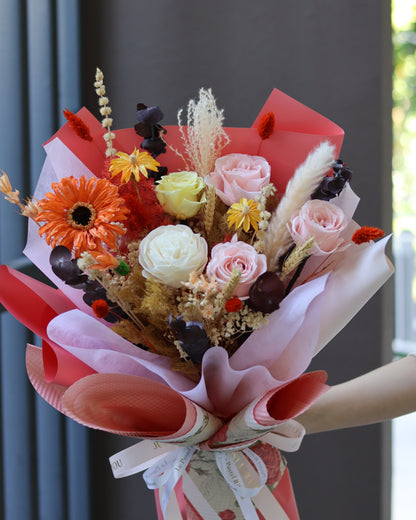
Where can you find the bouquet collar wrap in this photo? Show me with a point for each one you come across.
(211, 448)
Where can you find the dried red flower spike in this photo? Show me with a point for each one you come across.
(100, 308)
(233, 305)
(266, 125)
(78, 125)
(367, 233)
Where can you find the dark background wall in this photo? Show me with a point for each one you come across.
(334, 56)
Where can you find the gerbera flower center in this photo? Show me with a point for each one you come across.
(81, 216)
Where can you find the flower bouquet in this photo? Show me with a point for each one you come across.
(198, 271)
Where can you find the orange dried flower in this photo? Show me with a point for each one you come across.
(367, 233)
(100, 308)
(266, 125)
(77, 125)
(104, 260)
(233, 305)
(82, 215)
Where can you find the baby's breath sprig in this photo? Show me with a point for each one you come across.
(236, 324)
(105, 111)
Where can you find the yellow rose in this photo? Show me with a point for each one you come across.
(180, 194)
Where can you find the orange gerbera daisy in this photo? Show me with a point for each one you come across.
(82, 214)
(136, 164)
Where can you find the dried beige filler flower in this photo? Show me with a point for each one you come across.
(5, 186)
(228, 290)
(261, 199)
(296, 256)
(209, 208)
(158, 303)
(30, 209)
(105, 111)
(204, 137)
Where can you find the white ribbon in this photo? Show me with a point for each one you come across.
(165, 464)
(168, 471)
(244, 480)
(139, 457)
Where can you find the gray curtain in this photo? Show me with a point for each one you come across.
(44, 458)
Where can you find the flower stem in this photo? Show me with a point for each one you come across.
(296, 276)
(137, 189)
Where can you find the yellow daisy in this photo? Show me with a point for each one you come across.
(134, 164)
(244, 213)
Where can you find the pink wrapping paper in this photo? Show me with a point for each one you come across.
(51, 392)
(270, 410)
(35, 304)
(136, 407)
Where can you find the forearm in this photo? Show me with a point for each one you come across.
(384, 393)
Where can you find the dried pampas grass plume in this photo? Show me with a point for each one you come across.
(306, 179)
(204, 137)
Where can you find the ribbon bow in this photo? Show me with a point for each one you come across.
(242, 469)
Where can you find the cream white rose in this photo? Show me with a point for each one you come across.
(170, 253)
(180, 193)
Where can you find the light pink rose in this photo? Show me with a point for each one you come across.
(238, 176)
(236, 255)
(321, 220)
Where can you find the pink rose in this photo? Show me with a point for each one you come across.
(236, 255)
(321, 220)
(238, 176)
